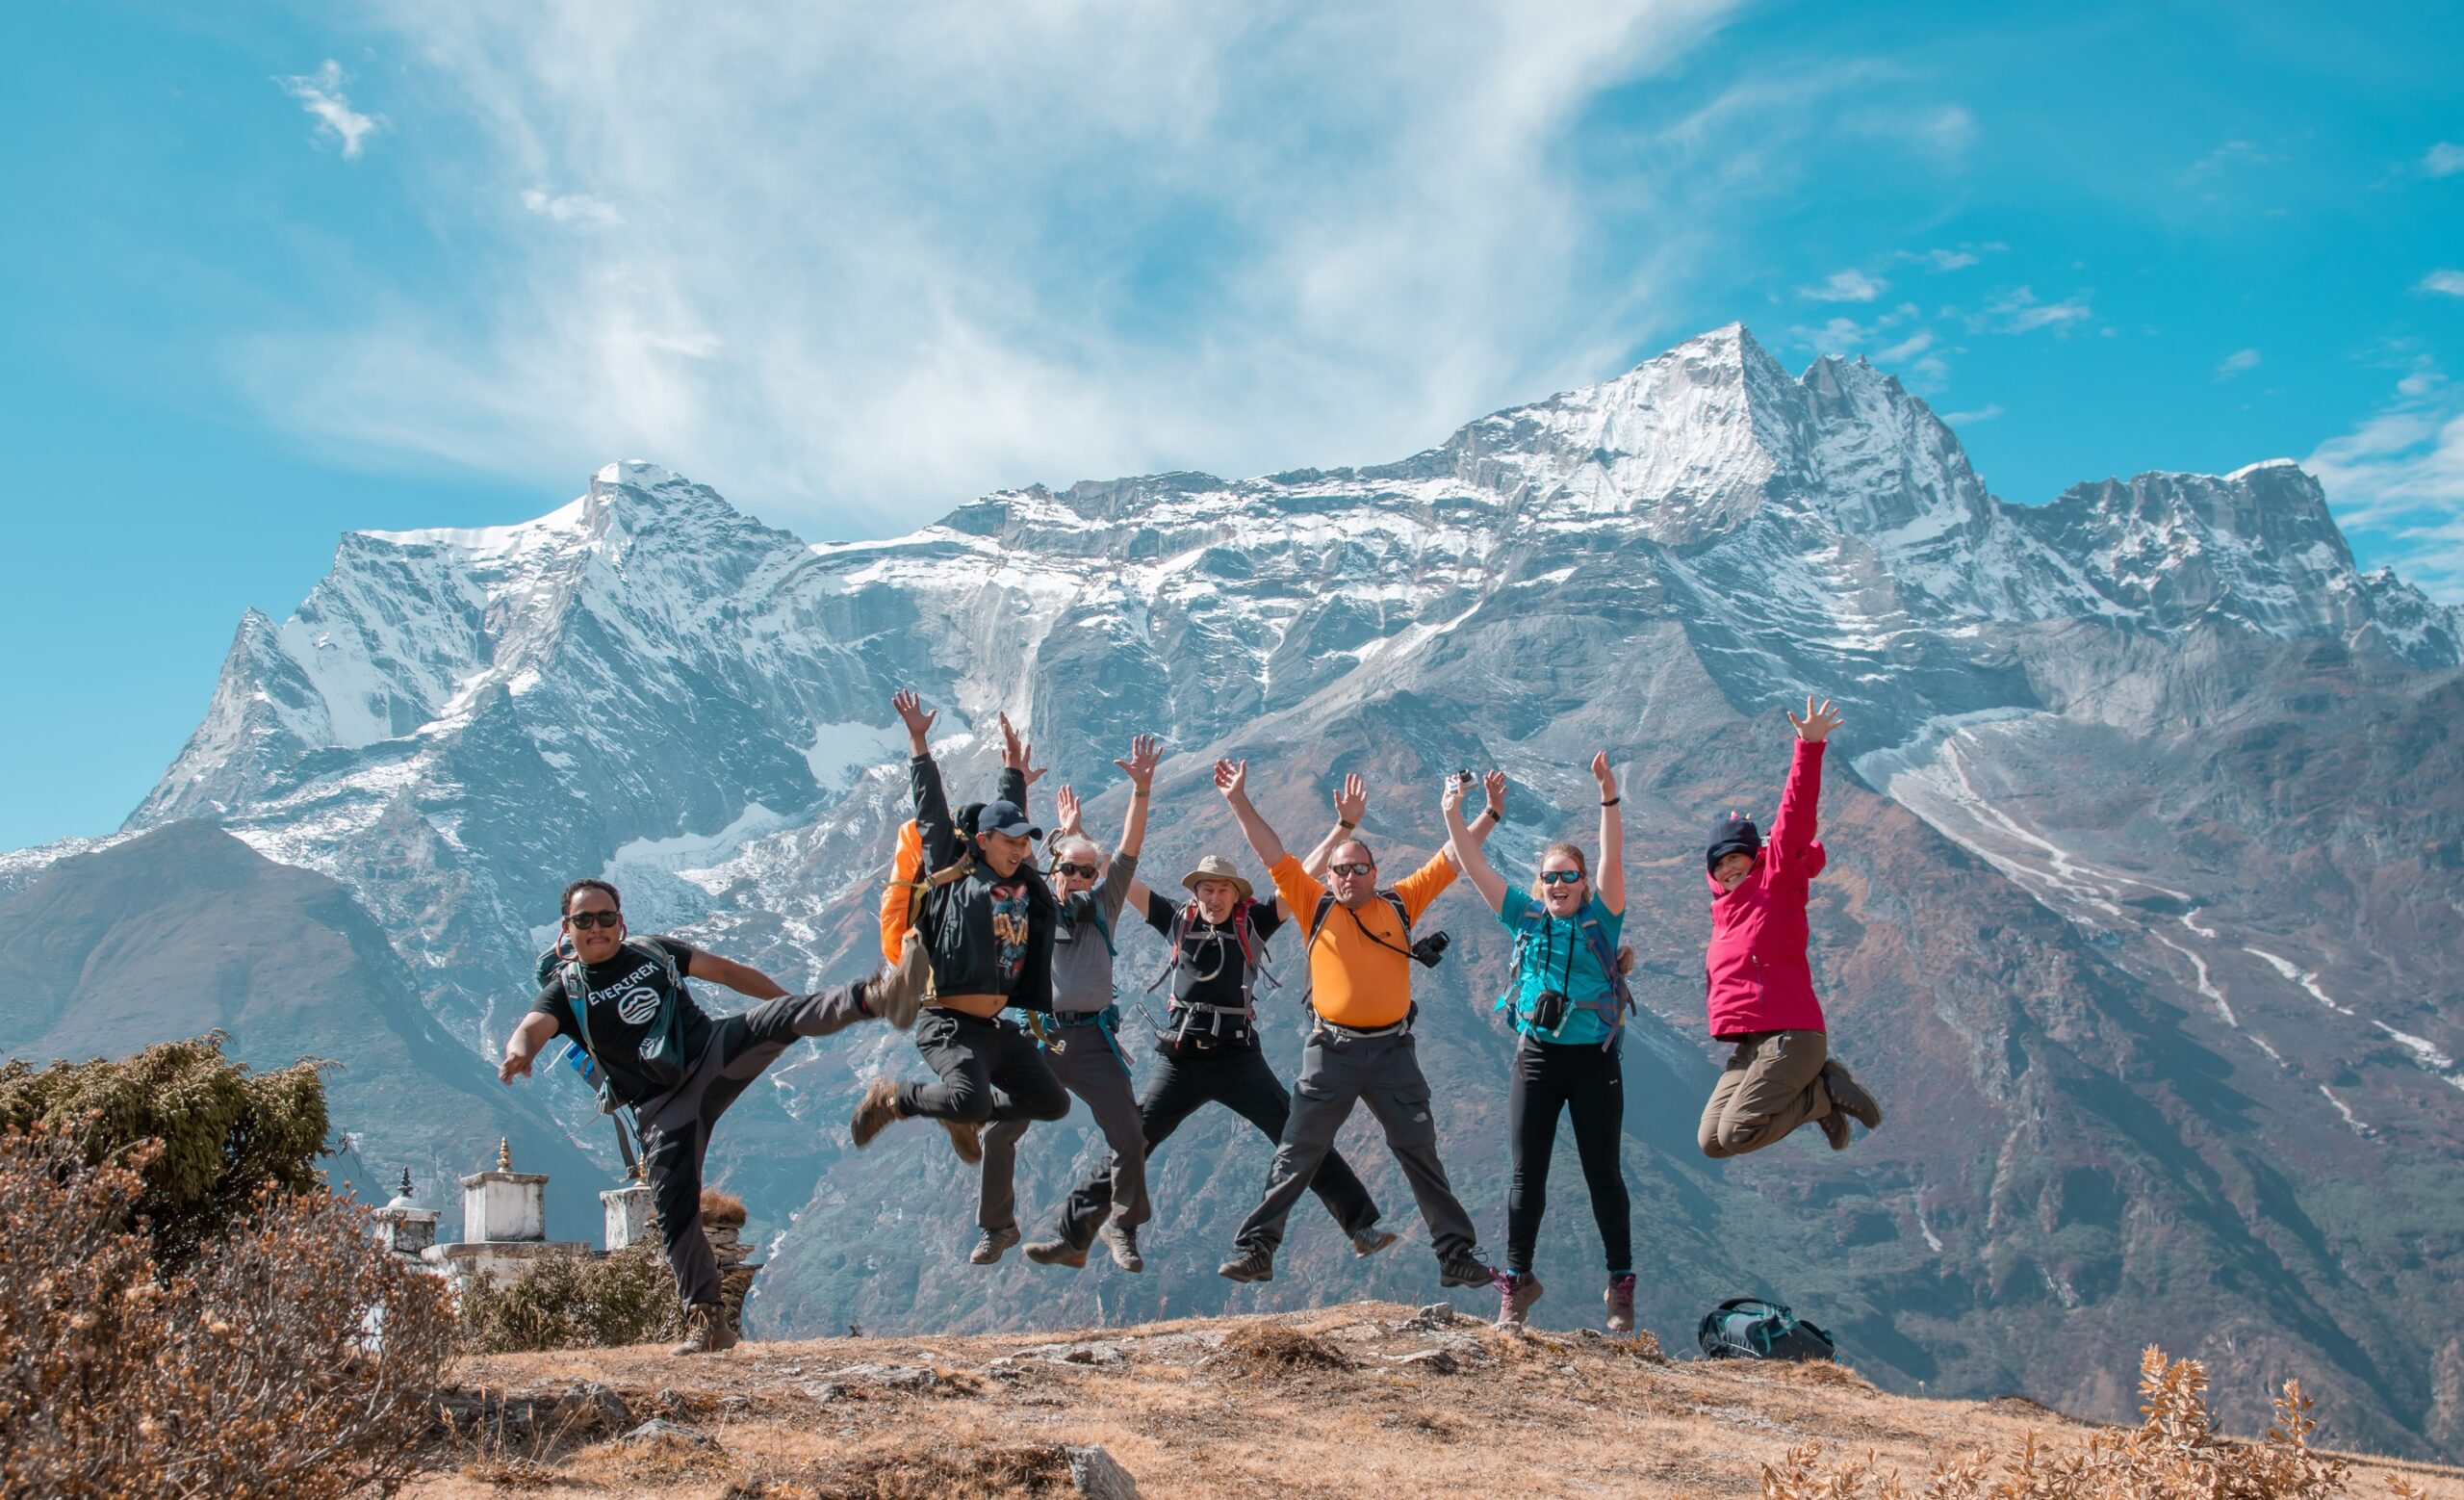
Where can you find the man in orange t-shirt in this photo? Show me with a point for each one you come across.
(1361, 1049)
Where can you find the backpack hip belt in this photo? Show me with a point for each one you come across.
(1400, 1028)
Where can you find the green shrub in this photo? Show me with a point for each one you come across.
(575, 1302)
(224, 1132)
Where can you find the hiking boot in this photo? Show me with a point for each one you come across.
(1056, 1253)
(1249, 1265)
(990, 1244)
(1849, 1097)
(1620, 1298)
(1835, 1129)
(966, 1138)
(1465, 1269)
(1370, 1241)
(1517, 1291)
(875, 1111)
(706, 1330)
(897, 993)
(1122, 1241)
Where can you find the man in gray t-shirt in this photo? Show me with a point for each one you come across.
(1081, 1044)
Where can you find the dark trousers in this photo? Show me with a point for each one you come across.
(1586, 1082)
(1235, 1076)
(1338, 1070)
(676, 1126)
(1089, 1062)
(989, 1069)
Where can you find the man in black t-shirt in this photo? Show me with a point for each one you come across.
(677, 1068)
(1208, 1052)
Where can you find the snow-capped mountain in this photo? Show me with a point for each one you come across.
(2144, 910)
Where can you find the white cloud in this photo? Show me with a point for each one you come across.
(2235, 363)
(1950, 259)
(2443, 159)
(2397, 482)
(2230, 153)
(1907, 348)
(320, 94)
(1967, 419)
(2450, 282)
(1845, 285)
(2017, 311)
(875, 260)
(577, 209)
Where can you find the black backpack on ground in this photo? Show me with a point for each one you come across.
(1748, 1327)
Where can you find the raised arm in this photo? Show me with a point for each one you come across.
(1610, 880)
(1232, 779)
(1792, 830)
(1144, 754)
(1463, 848)
(1019, 771)
(1351, 803)
(933, 824)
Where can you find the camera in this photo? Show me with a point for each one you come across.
(1429, 949)
(1549, 1010)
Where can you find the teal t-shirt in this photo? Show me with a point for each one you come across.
(1558, 957)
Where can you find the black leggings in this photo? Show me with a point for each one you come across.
(1586, 1081)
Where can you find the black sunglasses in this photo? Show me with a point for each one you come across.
(1351, 868)
(1561, 877)
(1070, 867)
(583, 921)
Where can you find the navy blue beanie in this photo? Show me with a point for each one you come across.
(1731, 835)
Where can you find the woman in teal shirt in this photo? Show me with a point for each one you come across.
(1568, 1001)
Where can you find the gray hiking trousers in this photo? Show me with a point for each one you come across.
(676, 1126)
(1089, 1063)
(1772, 1084)
(1338, 1070)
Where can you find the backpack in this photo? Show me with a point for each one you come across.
(1748, 1327)
(1621, 997)
(664, 1047)
(1252, 964)
(902, 893)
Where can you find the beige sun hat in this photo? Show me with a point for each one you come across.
(1214, 866)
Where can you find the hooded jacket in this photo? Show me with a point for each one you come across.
(1756, 979)
(971, 924)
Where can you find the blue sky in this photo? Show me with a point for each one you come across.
(279, 272)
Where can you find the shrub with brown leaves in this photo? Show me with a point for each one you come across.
(2174, 1454)
(575, 1302)
(292, 1358)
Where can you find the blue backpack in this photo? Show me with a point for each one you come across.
(1748, 1327)
(1611, 1008)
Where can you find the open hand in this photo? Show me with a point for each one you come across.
(512, 1068)
(1232, 779)
(1144, 754)
(1819, 723)
(1018, 755)
(1065, 808)
(911, 712)
(1494, 785)
(1353, 801)
(1600, 774)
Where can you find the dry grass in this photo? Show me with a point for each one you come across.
(722, 1210)
(1335, 1404)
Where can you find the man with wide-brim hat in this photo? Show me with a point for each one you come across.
(1208, 1050)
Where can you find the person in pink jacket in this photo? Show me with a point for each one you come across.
(1758, 986)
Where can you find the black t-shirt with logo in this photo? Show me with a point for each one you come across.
(1211, 958)
(626, 995)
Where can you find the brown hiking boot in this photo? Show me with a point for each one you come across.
(706, 1330)
(1620, 1298)
(875, 1111)
(1835, 1128)
(1849, 1097)
(966, 1139)
(897, 993)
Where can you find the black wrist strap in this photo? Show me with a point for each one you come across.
(1613, 801)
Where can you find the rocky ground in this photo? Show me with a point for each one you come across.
(1366, 1399)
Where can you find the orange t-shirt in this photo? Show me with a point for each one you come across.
(1355, 977)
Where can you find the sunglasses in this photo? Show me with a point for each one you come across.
(1350, 869)
(583, 921)
(1559, 877)
(1070, 867)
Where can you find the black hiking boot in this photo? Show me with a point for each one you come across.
(1465, 1268)
(1056, 1253)
(990, 1244)
(1370, 1241)
(1249, 1265)
(1849, 1097)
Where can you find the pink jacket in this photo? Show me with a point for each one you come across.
(1759, 979)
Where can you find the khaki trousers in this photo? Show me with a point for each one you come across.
(1772, 1084)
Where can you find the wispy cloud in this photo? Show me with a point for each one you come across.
(2232, 153)
(320, 94)
(872, 260)
(2019, 311)
(1969, 419)
(1845, 285)
(2449, 282)
(579, 210)
(2235, 363)
(2397, 480)
(2443, 159)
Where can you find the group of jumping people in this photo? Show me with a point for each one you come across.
(976, 932)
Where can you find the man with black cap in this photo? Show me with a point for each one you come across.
(1757, 987)
(986, 922)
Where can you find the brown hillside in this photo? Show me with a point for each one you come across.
(1368, 1399)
